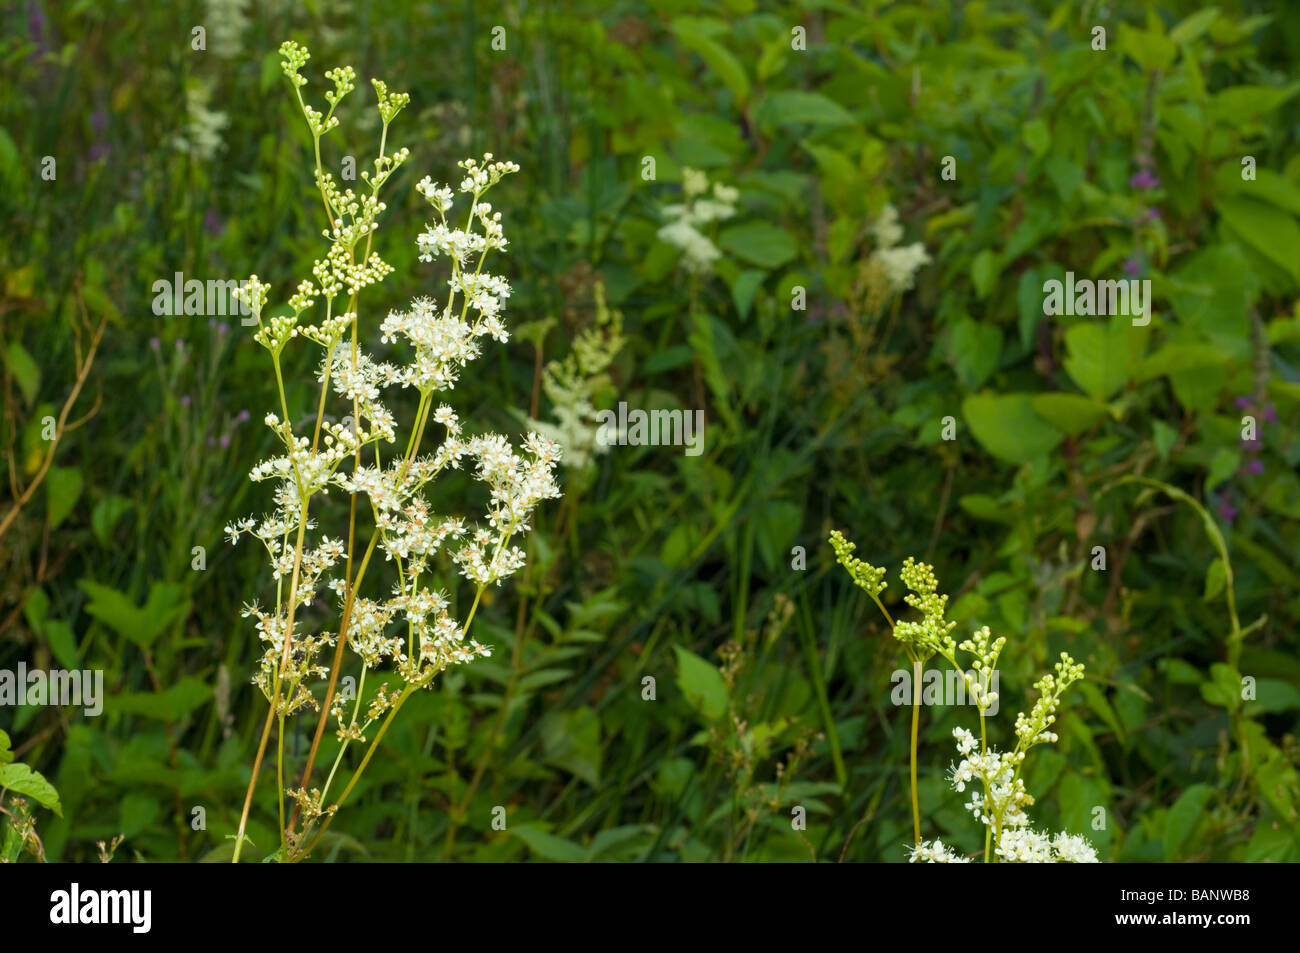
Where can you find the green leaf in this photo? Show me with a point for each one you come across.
(1183, 818)
(984, 271)
(571, 740)
(1037, 136)
(795, 107)
(170, 705)
(1072, 414)
(6, 752)
(1164, 437)
(1007, 426)
(716, 56)
(550, 846)
(1269, 230)
(1215, 577)
(1150, 50)
(1099, 358)
(1239, 103)
(973, 349)
(20, 779)
(744, 288)
(24, 370)
(701, 683)
(140, 625)
(35, 609)
(760, 244)
(1273, 695)
(1193, 26)
(63, 643)
(63, 484)
(1178, 359)
(106, 514)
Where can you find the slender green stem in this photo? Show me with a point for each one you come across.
(918, 668)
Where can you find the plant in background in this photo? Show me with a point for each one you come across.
(17, 819)
(1002, 797)
(685, 220)
(574, 384)
(415, 625)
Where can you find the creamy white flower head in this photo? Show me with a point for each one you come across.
(901, 264)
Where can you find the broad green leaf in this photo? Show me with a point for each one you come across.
(140, 625)
(760, 244)
(63, 643)
(973, 349)
(1193, 26)
(744, 288)
(63, 484)
(1269, 230)
(106, 514)
(795, 107)
(1037, 136)
(20, 779)
(1007, 426)
(1183, 817)
(701, 683)
(170, 705)
(550, 846)
(1177, 359)
(1238, 103)
(1215, 577)
(1072, 414)
(35, 609)
(24, 370)
(1098, 359)
(718, 58)
(984, 271)
(571, 740)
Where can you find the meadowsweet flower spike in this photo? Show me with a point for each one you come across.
(999, 797)
(865, 575)
(413, 625)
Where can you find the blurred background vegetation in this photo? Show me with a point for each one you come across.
(710, 574)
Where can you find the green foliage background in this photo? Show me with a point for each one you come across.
(817, 419)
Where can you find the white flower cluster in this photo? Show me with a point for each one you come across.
(414, 629)
(934, 852)
(572, 386)
(685, 220)
(899, 263)
(999, 803)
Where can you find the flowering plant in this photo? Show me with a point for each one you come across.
(1001, 797)
(417, 626)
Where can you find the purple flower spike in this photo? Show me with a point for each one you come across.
(1132, 266)
(155, 343)
(185, 401)
(1227, 511)
(224, 441)
(1242, 403)
(1270, 414)
(1255, 467)
(1144, 180)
